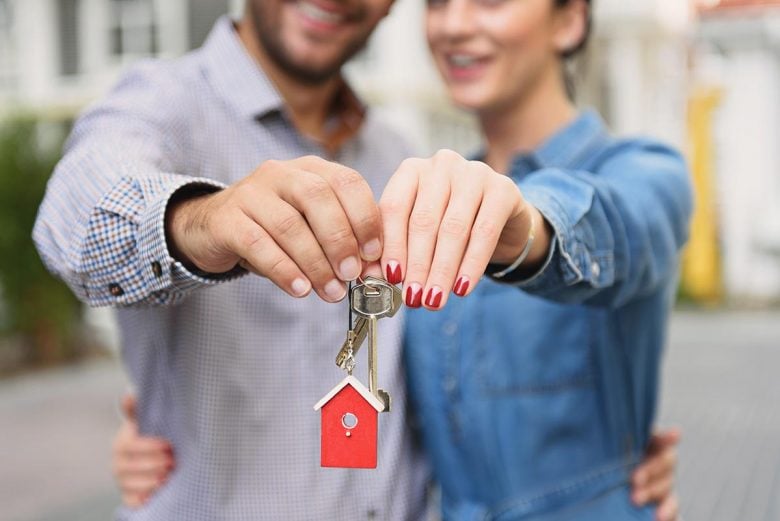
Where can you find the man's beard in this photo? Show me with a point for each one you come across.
(270, 40)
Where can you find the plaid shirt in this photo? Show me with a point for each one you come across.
(228, 369)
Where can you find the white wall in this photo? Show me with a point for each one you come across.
(748, 139)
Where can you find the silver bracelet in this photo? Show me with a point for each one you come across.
(518, 261)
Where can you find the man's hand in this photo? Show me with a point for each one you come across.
(653, 480)
(141, 464)
(302, 223)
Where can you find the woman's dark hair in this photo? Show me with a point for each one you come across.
(580, 46)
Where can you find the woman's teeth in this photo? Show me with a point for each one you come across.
(318, 14)
(462, 60)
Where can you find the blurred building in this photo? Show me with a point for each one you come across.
(64, 53)
(736, 55)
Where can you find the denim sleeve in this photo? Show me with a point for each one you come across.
(101, 225)
(618, 231)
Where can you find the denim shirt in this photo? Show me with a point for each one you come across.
(536, 396)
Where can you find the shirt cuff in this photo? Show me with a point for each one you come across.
(126, 253)
(570, 260)
(166, 278)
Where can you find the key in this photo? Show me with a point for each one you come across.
(375, 299)
(360, 329)
(359, 332)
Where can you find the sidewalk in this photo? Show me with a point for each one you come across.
(722, 386)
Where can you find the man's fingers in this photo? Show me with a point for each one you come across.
(313, 197)
(666, 438)
(261, 252)
(396, 206)
(357, 201)
(372, 269)
(668, 509)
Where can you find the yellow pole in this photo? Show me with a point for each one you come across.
(701, 269)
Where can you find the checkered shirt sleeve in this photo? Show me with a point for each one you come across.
(101, 226)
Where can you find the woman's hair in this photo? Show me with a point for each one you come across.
(581, 45)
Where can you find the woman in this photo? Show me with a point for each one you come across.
(537, 392)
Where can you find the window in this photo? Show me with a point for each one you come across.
(133, 28)
(7, 48)
(202, 15)
(67, 19)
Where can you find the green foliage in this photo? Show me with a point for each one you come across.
(39, 310)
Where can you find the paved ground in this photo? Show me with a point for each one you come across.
(722, 386)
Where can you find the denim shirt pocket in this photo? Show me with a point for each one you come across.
(526, 344)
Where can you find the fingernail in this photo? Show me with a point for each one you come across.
(393, 272)
(414, 295)
(462, 286)
(335, 290)
(299, 288)
(349, 268)
(434, 297)
(372, 249)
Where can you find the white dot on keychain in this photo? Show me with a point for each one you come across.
(349, 434)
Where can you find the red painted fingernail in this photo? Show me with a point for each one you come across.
(433, 300)
(462, 286)
(393, 272)
(414, 295)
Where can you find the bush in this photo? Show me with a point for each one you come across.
(39, 313)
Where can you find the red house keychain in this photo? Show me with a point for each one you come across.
(349, 425)
(348, 415)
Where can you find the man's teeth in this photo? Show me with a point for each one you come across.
(316, 13)
(462, 60)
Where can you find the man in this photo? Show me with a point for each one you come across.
(135, 216)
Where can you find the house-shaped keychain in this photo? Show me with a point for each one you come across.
(349, 426)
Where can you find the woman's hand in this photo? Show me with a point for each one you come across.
(446, 218)
(141, 464)
(653, 480)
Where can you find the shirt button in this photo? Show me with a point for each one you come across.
(116, 290)
(157, 269)
(595, 269)
(371, 514)
(450, 328)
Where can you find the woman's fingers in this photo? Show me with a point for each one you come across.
(141, 464)
(396, 206)
(128, 406)
(455, 231)
(498, 204)
(155, 463)
(443, 218)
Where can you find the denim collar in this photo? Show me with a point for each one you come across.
(570, 147)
